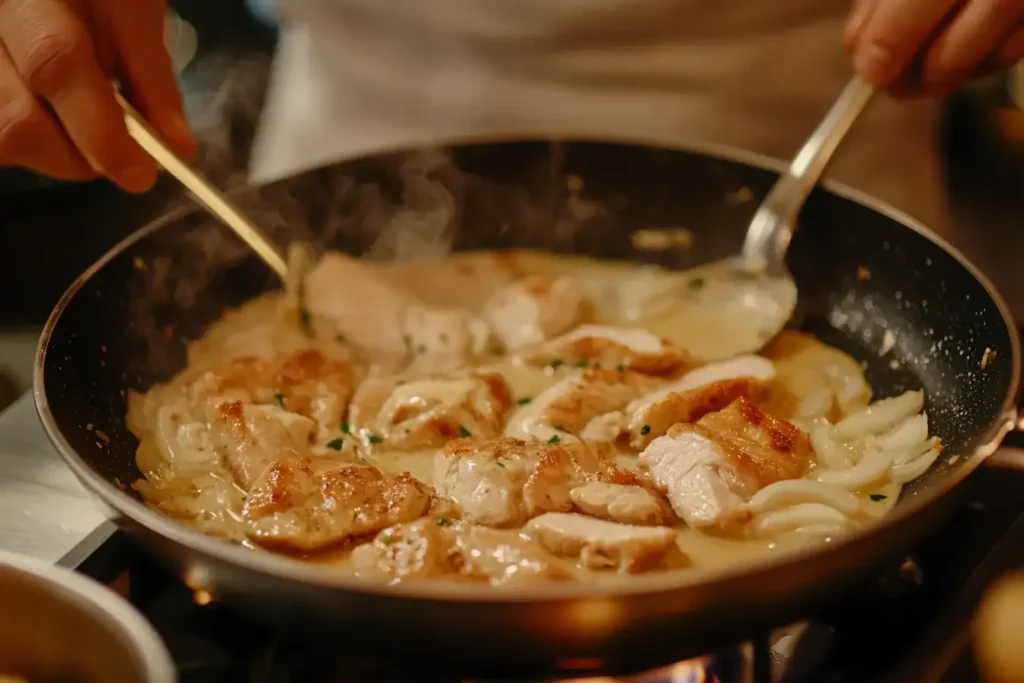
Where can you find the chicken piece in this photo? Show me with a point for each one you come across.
(636, 505)
(605, 428)
(503, 482)
(388, 326)
(367, 311)
(247, 437)
(597, 392)
(710, 468)
(442, 340)
(430, 412)
(417, 550)
(529, 423)
(601, 545)
(505, 558)
(437, 548)
(610, 347)
(535, 309)
(310, 505)
(568, 406)
(813, 380)
(305, 382)
(486, 480)
(699, 392)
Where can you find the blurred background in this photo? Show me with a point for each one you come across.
(50, 232)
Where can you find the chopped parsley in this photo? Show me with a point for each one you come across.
(346, 428)
(463, 432)
(442, 522)
(387, 540)
(525, 400)
(375, 438)
(581, 364)
(696, 283)
(878, 497)
(499, 464)
(335, 444)
(555, 438)
(279, 399)
(556, 363)
(620, 367)
(645, 430)
(304, 316)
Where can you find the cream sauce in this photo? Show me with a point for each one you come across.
(682, 307)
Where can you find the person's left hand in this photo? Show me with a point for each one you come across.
(933, 46)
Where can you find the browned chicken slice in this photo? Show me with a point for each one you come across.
(309, 505)
(710, 468)
(247, 437)
(597, 392)
(305, 382)
(568, 407)
(626, 504)
(429, 412)
(386, 325)
(697, 393)
(601, 545)
(434, 547)
(535, 309)
(610, 347)
(505, 481)
(813, 379)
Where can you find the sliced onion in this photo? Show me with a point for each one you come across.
(821, 530)
(904, 472)
(906, 436)
(797, 491)
(881, 416)
(831, 452)
(798, 516)
(872, 467)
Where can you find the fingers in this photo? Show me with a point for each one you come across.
(972, 36)
(30, 135)
(136, 31)
(859, 15)
(894, 34)
(1012, 51)
(52, 51)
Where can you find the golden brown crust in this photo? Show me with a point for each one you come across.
(688, 406)
(599, 391)
(761, 448)
(307, 506)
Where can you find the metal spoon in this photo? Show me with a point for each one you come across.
(756, 286)
(205, 193)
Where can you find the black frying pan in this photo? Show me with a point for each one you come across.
(861, 268)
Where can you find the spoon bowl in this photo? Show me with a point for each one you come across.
(757, 282)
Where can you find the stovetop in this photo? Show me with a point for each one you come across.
(912, 623)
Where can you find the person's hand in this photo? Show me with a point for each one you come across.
(58, 115)
(933, 46)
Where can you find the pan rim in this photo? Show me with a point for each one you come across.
(284, 569)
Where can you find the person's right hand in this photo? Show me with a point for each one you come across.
(58, 115)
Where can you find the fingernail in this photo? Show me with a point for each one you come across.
(875, 63)
(137, 178)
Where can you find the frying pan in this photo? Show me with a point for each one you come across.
(869, 278)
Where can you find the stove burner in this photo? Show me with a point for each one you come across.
(284, 661)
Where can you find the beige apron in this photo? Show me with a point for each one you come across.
(353, 77)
